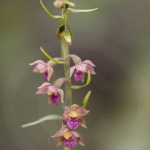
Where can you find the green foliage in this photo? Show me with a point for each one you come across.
(85, 100)
(49, 117)
(49, 57)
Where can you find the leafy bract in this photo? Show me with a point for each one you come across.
(49, 57)
(49, 117)
(85, 100)
(46, 10)
(80, 10)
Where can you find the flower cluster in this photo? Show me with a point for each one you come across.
(55, 94)
(73, 114)
(72, 119)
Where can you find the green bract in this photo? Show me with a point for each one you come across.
(67, 36)
(85, 100)
(54, 17)
(80, 10)
(49, 117)
(49, 57)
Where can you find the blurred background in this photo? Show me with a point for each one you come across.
(116, 38)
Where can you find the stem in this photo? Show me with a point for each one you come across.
(65, 52)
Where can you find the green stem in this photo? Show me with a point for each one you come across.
(65, 52)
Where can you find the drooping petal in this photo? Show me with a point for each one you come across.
(88, 62)
(78, 137)
(37, 62)
(72, 70)
(90, 69)
(45, 84)
(61, 93)
(75, 58)
(82, 122)
(50, 71)
(42, 90)
(60, 141)
(49, 100)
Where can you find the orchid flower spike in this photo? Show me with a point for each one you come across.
(47, 68)
(72, 117)
(68, 137)
(80, 67)
(55, 94)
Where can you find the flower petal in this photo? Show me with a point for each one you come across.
(37, 62)
(60, 141)
(72, 70)
(58, 83)
(90, 69)
(88, 62)
(50, 72)
(42, 90)
(82, 111)
(61, 93)
(75, 58)
(82, 122)
(78, 136)
(45, 84)
(60, 132)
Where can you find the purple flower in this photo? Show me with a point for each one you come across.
(73, 117)
(55, 95)
(68, 138)
(80, 68)
(42, 67)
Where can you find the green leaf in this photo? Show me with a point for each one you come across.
(80, 10)
(88, 81)
(69, 3)
(69, 27)
(85, 100)
(49, 117)
(54, 17)
(67, 36)
(49, 57)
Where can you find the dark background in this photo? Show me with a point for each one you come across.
(116, 37)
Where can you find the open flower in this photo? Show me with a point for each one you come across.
(68, 137)
(72, 117)
(55, 94)
(46, 68)
(81, 68)
(42, 67)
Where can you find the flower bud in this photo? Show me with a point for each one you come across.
(59, 4)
